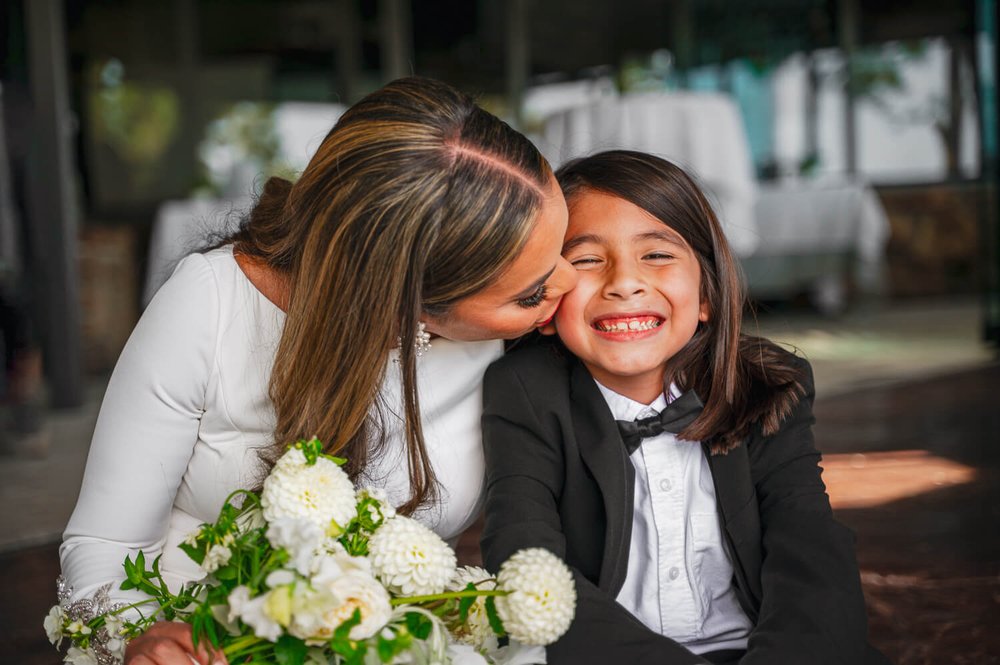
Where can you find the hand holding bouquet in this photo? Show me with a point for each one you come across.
(312, 571)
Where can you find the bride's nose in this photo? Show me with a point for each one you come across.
(564, 277)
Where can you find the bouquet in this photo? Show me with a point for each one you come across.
(311, 571)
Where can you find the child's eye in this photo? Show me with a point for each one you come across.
(535, 299)
(585, 261)
(658, 256)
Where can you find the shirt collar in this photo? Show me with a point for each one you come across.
(625, 408)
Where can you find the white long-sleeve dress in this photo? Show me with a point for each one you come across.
(187, 409)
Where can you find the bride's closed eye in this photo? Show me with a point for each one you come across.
(535, 299)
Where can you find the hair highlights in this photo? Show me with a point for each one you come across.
(416, 199)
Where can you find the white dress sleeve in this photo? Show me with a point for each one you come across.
(145, 433)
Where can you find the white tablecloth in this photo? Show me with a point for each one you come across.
(702, 132)
(183, 226)
(829, 215)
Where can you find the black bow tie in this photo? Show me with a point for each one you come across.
(679, 414)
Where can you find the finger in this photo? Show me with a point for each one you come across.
(158, 652)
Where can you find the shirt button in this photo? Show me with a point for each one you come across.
(673, 573)
(665, 485)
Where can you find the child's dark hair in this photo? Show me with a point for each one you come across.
(742, 380)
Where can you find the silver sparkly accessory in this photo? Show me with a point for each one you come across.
(86, 609)
(421, 341)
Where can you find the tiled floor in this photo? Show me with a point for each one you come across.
(908, 422)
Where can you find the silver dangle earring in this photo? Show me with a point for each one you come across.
(422, 340)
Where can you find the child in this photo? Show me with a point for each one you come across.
(699, 534)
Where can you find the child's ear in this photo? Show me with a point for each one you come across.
(703, 311)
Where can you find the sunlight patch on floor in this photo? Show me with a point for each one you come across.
(863, 480)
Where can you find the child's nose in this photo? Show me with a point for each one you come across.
(624, 282)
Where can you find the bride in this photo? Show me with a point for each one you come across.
(360, 304)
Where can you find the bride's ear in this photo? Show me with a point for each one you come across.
(549, 328)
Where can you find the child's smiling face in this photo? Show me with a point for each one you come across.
(638, 299)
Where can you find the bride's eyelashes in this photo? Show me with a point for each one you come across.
(535, 299)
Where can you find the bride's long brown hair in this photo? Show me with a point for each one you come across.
(416, 199)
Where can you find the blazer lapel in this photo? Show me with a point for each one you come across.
(604, 454)
(737, 502)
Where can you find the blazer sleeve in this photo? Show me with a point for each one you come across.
(812, 607)
(525, 470)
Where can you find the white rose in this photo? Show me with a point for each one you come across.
(353, 590)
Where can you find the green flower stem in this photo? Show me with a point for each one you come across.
(412, 600)
(244, 643)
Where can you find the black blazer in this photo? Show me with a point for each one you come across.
(558, 477)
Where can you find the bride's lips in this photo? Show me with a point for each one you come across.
(621, 326)
(555, 310)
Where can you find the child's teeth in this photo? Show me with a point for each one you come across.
(626, 326)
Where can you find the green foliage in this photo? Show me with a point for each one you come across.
(466, 603)
(237, 547)
(289, 650)
(491, 613)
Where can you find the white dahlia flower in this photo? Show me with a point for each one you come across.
(476, 631)
(542, 598)
(320, 492)
(409, 558)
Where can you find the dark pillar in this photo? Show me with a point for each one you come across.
(848, 18)
(349, 52)
(518, 62)
(396, 35)
(53, 217)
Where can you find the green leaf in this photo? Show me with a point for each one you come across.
(344, 629)
(491, 613)
(312, 449)
(339, 461)
(225, 573)
(194, 553)
(465, 604)
(418, 625)
(289, 650)
(132, 575)
(196, 629)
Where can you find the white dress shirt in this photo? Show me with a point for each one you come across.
(680, 579)
(187, 409)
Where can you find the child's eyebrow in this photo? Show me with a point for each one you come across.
(666, 236)
(583, 239)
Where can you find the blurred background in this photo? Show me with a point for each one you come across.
(850, 147)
